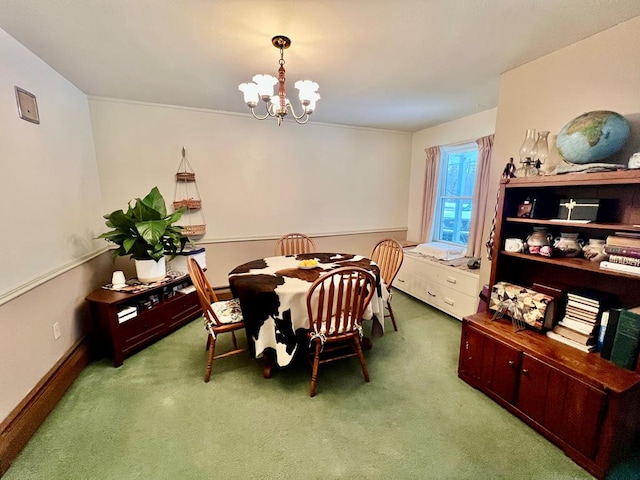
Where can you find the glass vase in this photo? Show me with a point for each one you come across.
(527, 149)
(542, 147)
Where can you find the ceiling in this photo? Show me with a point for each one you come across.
(393, 64)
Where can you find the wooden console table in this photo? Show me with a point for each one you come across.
(160, 310)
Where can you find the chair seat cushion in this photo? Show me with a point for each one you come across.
(228, 311)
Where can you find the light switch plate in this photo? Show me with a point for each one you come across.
(27, 106)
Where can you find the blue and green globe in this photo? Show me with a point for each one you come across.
(593, 136)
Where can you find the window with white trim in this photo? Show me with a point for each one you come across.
(455, 193)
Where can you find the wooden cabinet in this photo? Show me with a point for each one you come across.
(586, 405)
(159, 311)
(450, 289)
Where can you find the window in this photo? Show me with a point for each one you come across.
(455, 193)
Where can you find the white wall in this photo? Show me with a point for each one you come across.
(255, 179)
(51, 205)
(458, 131)
(601, 72)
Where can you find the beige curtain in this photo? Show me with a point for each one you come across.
(485, 147)
(429, 198)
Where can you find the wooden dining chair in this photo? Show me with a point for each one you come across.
(336, 303)
(294, 243)
(219, 316)
(388, 255)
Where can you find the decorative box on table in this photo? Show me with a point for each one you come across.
(525, 306)
(578, 209)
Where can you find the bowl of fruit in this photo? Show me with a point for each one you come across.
(308, 264)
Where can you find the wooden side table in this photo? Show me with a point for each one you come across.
(158, 311)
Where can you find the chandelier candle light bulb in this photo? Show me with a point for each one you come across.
(279, 105)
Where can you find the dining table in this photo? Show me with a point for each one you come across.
(272, 293)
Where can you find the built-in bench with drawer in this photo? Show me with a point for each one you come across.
(447, 285)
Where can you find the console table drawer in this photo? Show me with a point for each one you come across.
(140, 330)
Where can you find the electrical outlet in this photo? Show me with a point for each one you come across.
(56, 331)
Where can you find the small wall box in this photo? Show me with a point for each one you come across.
(179, 263)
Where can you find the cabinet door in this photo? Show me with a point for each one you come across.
(500, 366)
(471, 353)
(565, 406)
(532, 391)
(574, 412)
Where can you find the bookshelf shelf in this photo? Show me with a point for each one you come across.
(610, 227)
(531, 374)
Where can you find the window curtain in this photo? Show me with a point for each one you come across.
(480, 191)
(429, 198)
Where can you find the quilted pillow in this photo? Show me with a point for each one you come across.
(228, 311)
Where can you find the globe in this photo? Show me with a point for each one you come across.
(593, 136)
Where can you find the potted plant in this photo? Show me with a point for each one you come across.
(147, 233)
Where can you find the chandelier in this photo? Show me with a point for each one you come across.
(278, 105)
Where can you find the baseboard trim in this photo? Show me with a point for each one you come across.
(18, 428)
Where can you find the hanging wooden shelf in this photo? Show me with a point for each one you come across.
(194, 230)
(187, 195)
(186, 177)
(190, 204)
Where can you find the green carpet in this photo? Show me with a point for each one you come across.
(155, 418)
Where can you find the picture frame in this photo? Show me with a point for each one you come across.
(27, 105)
(526, 209)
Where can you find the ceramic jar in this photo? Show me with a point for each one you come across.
(539, 241)
(594, 250)
(568, 245)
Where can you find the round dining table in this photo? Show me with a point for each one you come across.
(273, 293)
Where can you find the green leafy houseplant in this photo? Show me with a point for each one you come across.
(145, 231)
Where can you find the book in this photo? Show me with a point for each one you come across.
(626, 251)
(126, 311)
(584, 308)
(624, 352)
(623, 241)
(579, 315)
(618, 267)
(575, 336)
(129, 316)
(624, 260)
(610, 333)
(604, 321)
(577, 325)
(571, 343)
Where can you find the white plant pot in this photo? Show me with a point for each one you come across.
(150, 271)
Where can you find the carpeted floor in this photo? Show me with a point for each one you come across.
(155, 418)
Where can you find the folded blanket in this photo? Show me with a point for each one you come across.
(440, 250)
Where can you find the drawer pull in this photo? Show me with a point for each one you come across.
(448, 301)
(451, 279)
(431, 294)
(401, 280)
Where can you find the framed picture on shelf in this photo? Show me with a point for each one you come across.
(527, 209)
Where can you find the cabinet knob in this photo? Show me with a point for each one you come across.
(511, 363)
(525, 371)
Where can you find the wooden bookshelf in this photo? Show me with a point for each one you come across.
(580, 401)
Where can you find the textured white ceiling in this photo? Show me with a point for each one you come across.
(401, 65)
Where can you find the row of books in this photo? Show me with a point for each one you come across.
(590, 324)
(580, 325)
(620, 336)
(623, 250)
